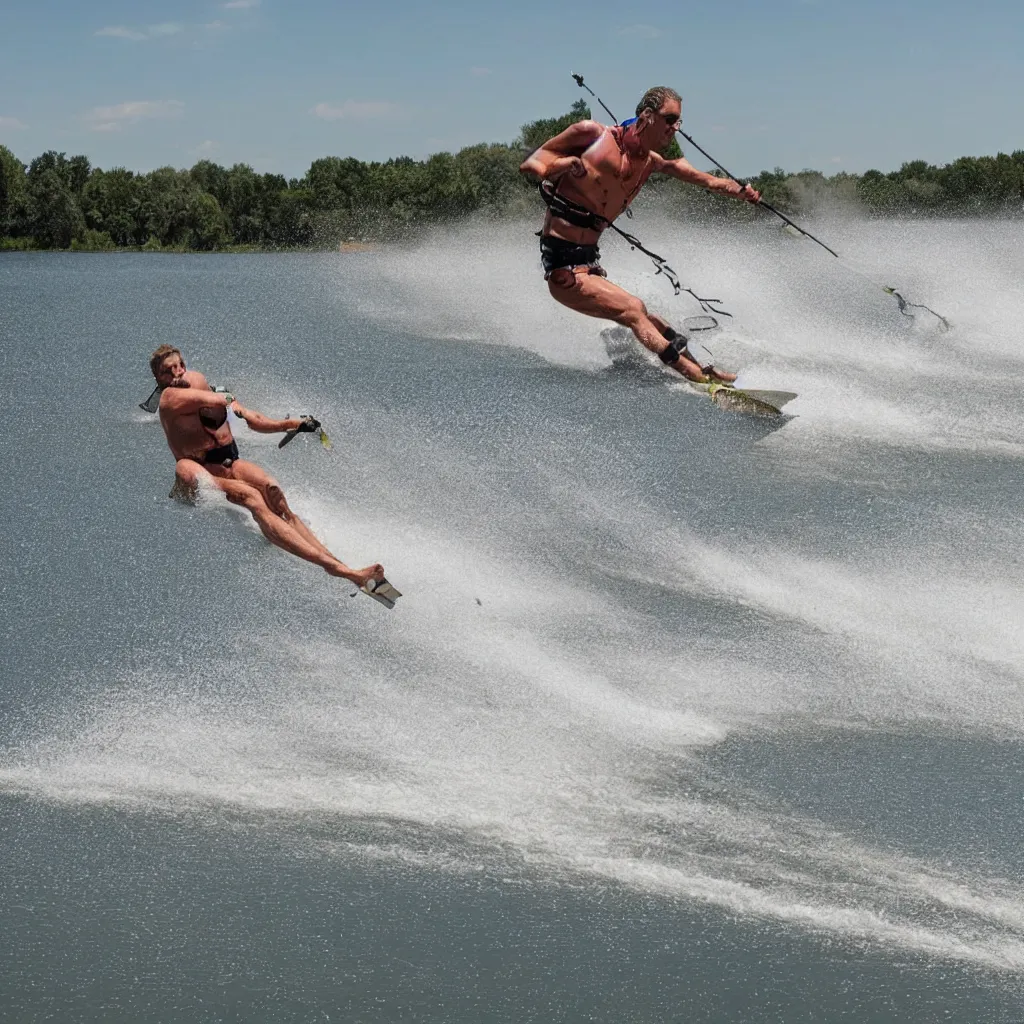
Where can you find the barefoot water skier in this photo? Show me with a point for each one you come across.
(590, 174)
(195, 422)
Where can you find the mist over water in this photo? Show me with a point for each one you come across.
(629, 618)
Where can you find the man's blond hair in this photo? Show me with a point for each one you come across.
(654, 98)
(157, 358)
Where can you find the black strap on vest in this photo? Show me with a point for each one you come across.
(573, 213)
(579, 216)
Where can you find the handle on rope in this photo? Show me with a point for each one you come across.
(308, 425)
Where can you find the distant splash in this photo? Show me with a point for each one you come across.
(803, 321)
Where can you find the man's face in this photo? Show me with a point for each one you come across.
(172, 372)
(666, 121)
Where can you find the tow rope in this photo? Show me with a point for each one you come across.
(579, 216)
(903, 304)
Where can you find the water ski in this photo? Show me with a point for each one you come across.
(624, 349)
(751, 401)
(381, 590)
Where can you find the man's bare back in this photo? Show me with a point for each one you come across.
(195, 423)
(598, 171)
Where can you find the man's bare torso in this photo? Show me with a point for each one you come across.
(185, 433)
(614, 177)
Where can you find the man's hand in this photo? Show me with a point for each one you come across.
(309, 424)
(567, 165)
(747, 192)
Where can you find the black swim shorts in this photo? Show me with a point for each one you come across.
(556, 253)
(224, 455)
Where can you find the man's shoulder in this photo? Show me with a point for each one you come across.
(587, 129)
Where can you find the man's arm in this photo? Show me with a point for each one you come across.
(183, 401)
(683, 170)
(562, 153)
(264, 424)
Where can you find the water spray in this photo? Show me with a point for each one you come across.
(904, 305)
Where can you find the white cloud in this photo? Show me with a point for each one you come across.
(236, 5)
(479, 72)
(353, 109)
(110, 119)
(641, 31)
(205, 148)
(215, 26)
(836, 160)
(122, 32)
(136, 35)
(11, 124)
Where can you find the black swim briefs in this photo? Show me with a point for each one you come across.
(222, 456)
(556, 253)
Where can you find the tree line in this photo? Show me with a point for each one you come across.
(57, 202)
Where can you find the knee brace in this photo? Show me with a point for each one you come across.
(670, 353)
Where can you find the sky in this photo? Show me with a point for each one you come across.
(823, 84)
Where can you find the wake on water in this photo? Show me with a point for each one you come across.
(543, 719)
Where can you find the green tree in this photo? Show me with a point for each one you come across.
(774, 189)
(56, 218)
(536, 133)
(164, 206)
(78, 169)
(491, 173)
(291, 218)
(13, 194)
(335, 183)
(207, 227)
(881, 193)
(111, 203)
(73, 173)
(242, 202)
(672, 151)
(212, 178)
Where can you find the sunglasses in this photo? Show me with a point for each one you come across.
(672, 120)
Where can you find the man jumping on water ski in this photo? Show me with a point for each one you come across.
(594, 173)
(195, 421)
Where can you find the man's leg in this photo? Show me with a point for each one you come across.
(596, 296)
(663, 326)
(250, 473)
(277, 530)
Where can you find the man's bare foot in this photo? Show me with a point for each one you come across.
(360, 577)
(372, 572)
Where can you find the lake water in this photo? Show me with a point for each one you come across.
(684, 715)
